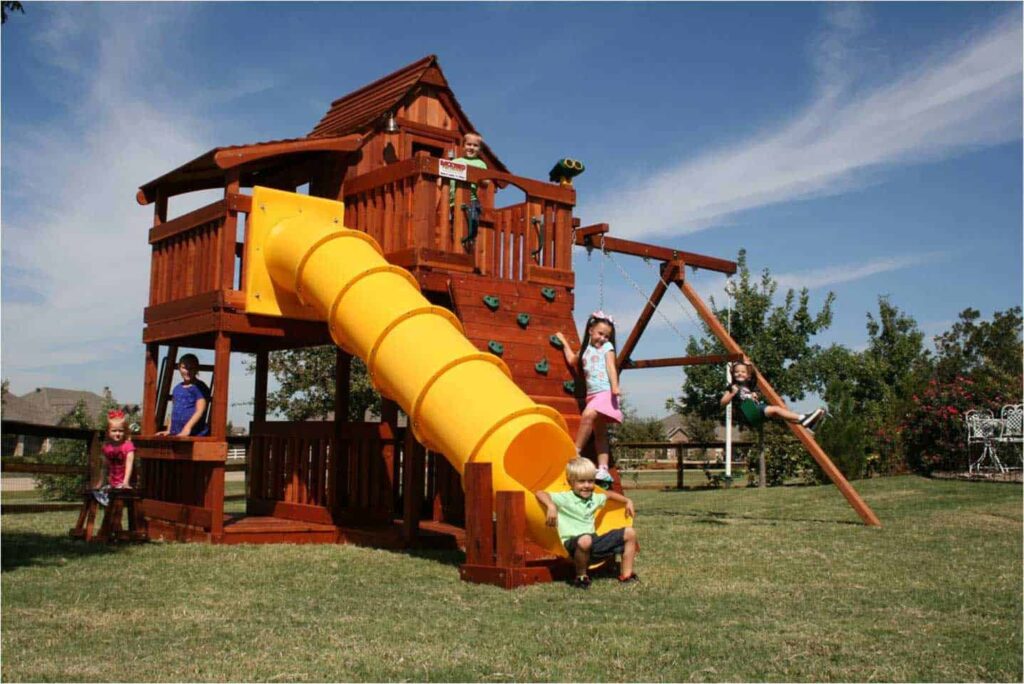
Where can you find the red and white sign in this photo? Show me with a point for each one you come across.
(447, 168)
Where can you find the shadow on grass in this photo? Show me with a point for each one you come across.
(450, 557)
(720, 518)
(21, 549)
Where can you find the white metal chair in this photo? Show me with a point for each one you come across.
(983, 428)
(1012, 416)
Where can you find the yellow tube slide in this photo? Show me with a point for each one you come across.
(461, 402)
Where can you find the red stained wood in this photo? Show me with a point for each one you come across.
(479, 512)
(511, 529)
(805, 436)
(683, 361)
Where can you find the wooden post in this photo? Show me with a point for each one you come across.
(762, 470)
(511, 551)
(669, 272)
(339, 459)
(229, 235)
(424, 201)
(389, 416)
(413, 470)
(259, 404)
(479, 514)
(221, 366)
(804, 435)
(679, 466)
(149, 390)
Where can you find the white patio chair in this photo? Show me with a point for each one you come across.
(1012, 416)
(988, 431)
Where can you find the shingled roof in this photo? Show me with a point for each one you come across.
(49, 405)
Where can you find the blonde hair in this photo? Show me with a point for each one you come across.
(580, 468)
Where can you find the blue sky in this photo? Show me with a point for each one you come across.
(865, 149)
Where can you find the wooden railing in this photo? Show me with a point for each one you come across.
(194, 254)
(406, 208)
(292, 467)
(182, 483)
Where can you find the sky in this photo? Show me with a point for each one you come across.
(863, 149)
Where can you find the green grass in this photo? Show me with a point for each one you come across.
(740, 584)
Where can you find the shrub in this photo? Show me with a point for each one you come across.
(844, 438)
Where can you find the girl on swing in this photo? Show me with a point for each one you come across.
(596, 363)
(743, 391)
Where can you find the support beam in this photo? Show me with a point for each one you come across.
(221, 366)
(669, 272)
(259, 401)
(804, 435)
(588, 237)
(683, 361)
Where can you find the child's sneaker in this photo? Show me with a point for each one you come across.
(811, 419)
(633, 577)
(581, 582)
(603, 477)
(102, 496)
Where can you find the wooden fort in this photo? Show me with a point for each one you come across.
(378, 150)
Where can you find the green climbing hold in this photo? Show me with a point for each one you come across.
(569, 386)
(541, 366)
(523, 320)
(492, 302)
(496, 348)
(555, 342)
(548, 293)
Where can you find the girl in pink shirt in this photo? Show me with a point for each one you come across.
(118, 452)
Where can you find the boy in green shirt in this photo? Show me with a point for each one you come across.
(471, 145)
(573, 513)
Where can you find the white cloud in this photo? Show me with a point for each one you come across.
(75, 257)
(964, 96)
(845, 273)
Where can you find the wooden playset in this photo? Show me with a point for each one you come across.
(264, 270)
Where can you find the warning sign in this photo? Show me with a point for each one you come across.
(452, 169)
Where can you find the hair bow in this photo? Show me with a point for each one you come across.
(603, 316)
(116, 414)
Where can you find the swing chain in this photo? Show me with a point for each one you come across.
(600, 292)
(644, 296)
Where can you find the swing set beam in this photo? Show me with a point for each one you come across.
(672, 271)
(803, 434)
(590, 236)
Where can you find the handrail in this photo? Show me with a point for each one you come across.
(429, 167)
(18, 427)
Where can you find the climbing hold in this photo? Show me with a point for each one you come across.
(569, 386)
(492, 302)
(523, 320)
(548, 293)
(541, 366)
(555, 342)
(496, 348)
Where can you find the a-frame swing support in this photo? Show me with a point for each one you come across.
(673, 271)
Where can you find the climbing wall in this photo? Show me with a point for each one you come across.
(516, 321)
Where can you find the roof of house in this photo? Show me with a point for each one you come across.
(49, 405)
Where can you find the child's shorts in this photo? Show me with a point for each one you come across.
(603, 545)
(753, 411)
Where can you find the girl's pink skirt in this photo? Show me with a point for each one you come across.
(605, 403)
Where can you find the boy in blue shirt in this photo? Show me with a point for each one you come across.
(573, 513)
(189, 398)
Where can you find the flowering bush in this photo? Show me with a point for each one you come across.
(934, 433)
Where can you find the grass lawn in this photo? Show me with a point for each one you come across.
(738, 584)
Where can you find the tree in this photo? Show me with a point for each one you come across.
(977, 366)
(8, 6)
(67, 452)
(636, 429)
(306, 378)
(776, 337)
(990, 352)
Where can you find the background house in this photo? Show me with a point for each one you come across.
(44, 406)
